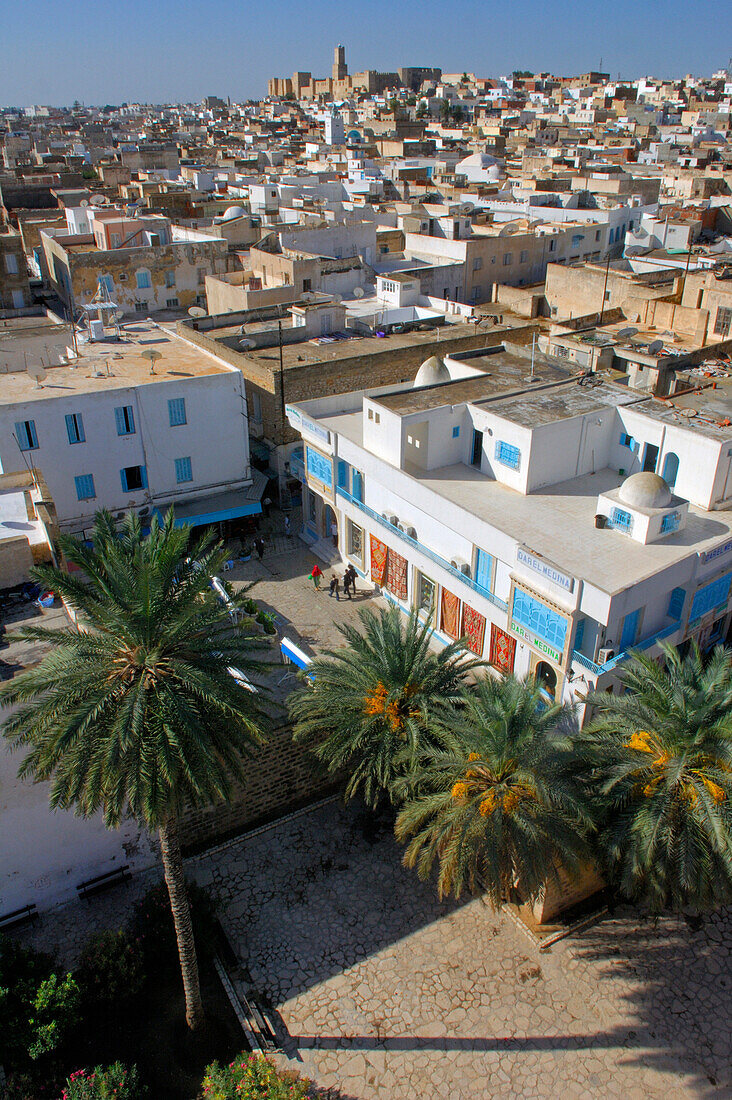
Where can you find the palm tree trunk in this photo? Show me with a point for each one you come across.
(175, 881)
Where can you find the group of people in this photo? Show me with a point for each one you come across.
(349, 581)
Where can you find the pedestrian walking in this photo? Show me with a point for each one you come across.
(315, 576)
(347, 584)
(334, 586)
(352, 574)
(334, 532)
(259, 547)
(287, 525)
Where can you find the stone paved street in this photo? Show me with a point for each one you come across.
(384, 992)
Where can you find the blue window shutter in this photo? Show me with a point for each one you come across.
(85, 487)
(177, 411)
(75, 428)
(456, 432)
(119, 415)
(123, 477)
(70, 429)
(343, 475)
(484, 569)
(630, 629)
(183, 470)
(143, 476)
(357, 488)
(676, 603)
(25, 433)
(579, 634)
(80, 428)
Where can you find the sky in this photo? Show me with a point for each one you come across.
(172, 51)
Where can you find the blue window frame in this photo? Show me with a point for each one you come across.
(622, 520)
(630, 629)
(133, 478)
(125, 418)
(85, 487)
(546, 624)
(670, 523)
(710, 596)
(579, 634)
(456, 431)
(357, 485)
(319, 467)
(25, 433)
(676, 603)
(507, 454)
(344, 475)
(143, 280)
(627, 441)
(104, 282)
(183, 470)
(484, 569)
(75, 428)
(177, 411)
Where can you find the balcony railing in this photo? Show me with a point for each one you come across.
(484, 592)
(597, 670)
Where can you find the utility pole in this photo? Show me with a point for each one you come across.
(282, 383)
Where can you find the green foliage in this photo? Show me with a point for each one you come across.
(115, 1082)
(110, 968)
(136, 710)
(152, 930)
(253, 1077)
(499, 803)
(661, 756)
(376, 701)
(37, 1004)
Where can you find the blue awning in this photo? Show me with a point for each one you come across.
(234, 504)
(294, 654)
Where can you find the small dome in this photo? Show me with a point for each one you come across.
(432, 371)
(645, 490)
(233, 212)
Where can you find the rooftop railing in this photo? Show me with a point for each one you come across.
(608, 666)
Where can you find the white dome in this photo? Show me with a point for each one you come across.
(478, 160)
(432, 372)
(233, 212)
(645, 490)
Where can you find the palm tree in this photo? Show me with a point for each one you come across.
(498, 804)
(372, 703)
(134, 709)
(662, 754)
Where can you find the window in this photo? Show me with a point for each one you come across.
(202, 273)
(723, 321)
(546, 624)
(630, 629)
(307, 284)
(177, 411)
(371, 414)
(171, 303)
(85, 487)
(507, 259)
(183, 470)
(670, 523)
(597, 235)
(170, 278)
(357, 485)
(507, 454)
(676, 603)
(11, 263)
(622, 520)
(75, 428)
(355, 541)
(552, 246)
(484, 570)
(579, 634)
(711, 596)
(25, 433)
(456, 431)
(133, 478)
(140, 307)
(477, 263)
(344, 475)
(523, 255)
(115, 240)
(143, 280)
(311, 507)
(426, 594)
(104, 282)
(627, 441)
(125, 418)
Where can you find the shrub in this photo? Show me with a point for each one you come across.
(253, 1077)
(153, 930)
(117, 1082)
(37, 1004)
(110, 968)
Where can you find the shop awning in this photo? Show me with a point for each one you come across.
(233, 504)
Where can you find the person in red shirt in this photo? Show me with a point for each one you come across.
(315, 576)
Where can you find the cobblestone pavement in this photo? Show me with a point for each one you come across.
(384, 992)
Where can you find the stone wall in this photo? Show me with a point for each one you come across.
(280, 778)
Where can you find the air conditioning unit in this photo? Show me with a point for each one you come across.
(461, 566)
(392, 519)
(412, 533)
(605, 653)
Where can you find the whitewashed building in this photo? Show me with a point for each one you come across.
(557, 522)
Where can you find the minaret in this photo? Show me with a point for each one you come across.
(340, 69)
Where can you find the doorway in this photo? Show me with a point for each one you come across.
(477, 456)
(650, 458)
(546, 678)
(330, 521)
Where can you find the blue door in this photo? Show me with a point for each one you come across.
(630, 629)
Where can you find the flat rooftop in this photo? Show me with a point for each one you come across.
(108, 364)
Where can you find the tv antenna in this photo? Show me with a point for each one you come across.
(153, 356)
(37, 373)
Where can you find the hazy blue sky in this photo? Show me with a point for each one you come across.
(176, 50)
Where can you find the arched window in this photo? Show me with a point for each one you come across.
(670, 469)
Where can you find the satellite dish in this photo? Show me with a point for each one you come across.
(358, 292)
(98, 200)
(655, 347)
(337, 298)
(196, 311)
(84, 202)
(688, 413)
(153, 356)
(37, 373)
(247, 345)
(626, 333)
(118, 315)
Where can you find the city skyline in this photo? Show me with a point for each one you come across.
(163, 55)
